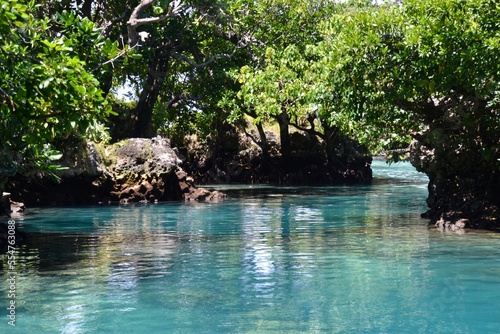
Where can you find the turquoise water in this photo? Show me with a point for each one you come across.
(268, 260)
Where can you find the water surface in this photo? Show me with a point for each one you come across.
(269, 260)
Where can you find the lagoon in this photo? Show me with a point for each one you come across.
(343, 259)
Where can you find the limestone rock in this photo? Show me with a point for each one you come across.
(82, 159)
(133, 170)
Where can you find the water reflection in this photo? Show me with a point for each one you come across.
(340, 260)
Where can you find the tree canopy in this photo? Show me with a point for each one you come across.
(49, 72)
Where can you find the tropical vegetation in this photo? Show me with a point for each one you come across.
(416, 77)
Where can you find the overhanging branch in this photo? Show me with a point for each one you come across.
(428, 109)
(134, 21)
(192, 63)
(307, 130)
(109, 26)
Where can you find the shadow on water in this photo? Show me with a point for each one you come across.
(61, 253)
(50, 251)
(135, 233)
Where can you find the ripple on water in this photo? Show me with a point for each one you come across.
(287, 260)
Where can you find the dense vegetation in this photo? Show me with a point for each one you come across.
(386, 75)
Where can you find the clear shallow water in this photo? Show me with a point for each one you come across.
(287, 260)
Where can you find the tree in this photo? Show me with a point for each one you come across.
(49, 87)
(426, 71)
(387, 75)
(275, 85)
(184, 38)
(277, 91)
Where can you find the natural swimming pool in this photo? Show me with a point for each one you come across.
(269, 260)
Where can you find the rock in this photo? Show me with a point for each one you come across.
(133, 170)
(215, 196)
(461, 224)
(441, 224)
(197, 194)
(246, 162)
(181, 175)
(150, 170)
(17, 207)
(8, 206)
(444, 224)
(204, 195)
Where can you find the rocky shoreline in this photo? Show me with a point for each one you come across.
(152, 170)
(133, 170)
(238, 157)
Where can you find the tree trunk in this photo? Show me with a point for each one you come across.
(263, 143)
(86, 8)
(286, 145)
(144, 109)
(330, 134)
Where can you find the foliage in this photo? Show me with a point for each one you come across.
(188, 56)
(279, 84)
(379, 72)
(397, 69)
(49, 70)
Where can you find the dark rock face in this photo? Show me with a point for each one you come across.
(463, 184)
(459, 150)
(134, 170)
(237, 157)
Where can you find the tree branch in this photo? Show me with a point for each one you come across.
(6, 98)
(188, 60)
(106, 30)
(307, 130)
(178, 99)
(112, 60)
(252, 137)
(428, 109)
(134, 21)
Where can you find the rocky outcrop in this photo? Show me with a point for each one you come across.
(237, 157)
(133, 170)
(143, 170)
(463, 181)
